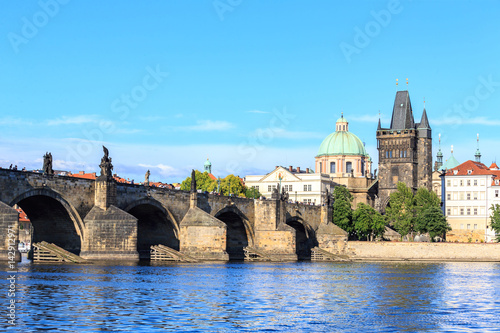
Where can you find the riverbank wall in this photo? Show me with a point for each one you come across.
(419, 251)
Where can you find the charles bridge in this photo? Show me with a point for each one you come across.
(104, 220)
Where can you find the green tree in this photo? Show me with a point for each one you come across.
(203, 182)
(495, 220)
(252, 192)
(342, 212)
(237, 187)
(368, 222)
(425, 199)
(433, 221)
(401, 209)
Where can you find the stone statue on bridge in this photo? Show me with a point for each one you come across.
(106, 166)
(146, 178)
(193, 181)
(47, 164)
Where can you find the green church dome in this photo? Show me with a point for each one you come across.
(342, 143)
(207, 163)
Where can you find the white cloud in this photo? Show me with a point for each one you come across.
(14, 121)
(208, 125)
(75, 120)
(163, 169)
(472, 121)
(258, 111)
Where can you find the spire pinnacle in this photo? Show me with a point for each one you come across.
(478, 153)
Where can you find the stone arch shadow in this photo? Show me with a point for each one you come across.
(53, 218)
(305, 237)
(155, 225)
(239, 232)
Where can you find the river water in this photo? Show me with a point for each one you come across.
(253, 297)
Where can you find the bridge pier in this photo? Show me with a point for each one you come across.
(272, 234)
(110, 233)
(9, 233)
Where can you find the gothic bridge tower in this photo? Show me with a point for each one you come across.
(405, 150)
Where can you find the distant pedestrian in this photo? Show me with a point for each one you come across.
(15, 167)
(10, 168)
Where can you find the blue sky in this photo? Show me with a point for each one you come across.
(250, 84)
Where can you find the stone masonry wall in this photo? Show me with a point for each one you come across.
(423, 251)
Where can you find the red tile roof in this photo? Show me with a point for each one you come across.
(22, 216)
(476, 168)
(493, 166)
(212, 176)
(84, 175)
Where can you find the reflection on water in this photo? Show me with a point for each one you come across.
(291, 297)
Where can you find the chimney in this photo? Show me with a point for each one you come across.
(81, 172)
(277, 167)
(290, 168)
(307, 170)
(298, 169)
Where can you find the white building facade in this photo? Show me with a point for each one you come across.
(301, 185)
(471, 189)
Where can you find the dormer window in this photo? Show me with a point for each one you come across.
(496, 181)
(455, 172)
(469, 172)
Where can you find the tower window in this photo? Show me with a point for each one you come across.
(390, 154)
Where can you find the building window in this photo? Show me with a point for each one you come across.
(468, 182)
(475, 182)
(320, 167)
(468, 196)
(348, 167)
(448, 211)
(448, 196)
(307, 188)
(461, 182)
(386, 154)
(448, 183)
(256, 187)
(461, 226)
(404, 155)
(268, 188)
(468, 226)
(307, 201)
(332, 167)
(468, 211)
(475, 226)
(390, 154)
(475, 195)
(475, 211)
(461, 211)
(496, 193)
(288, 188)
(461, 195)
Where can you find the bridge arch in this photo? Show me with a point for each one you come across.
(305, 237)
(155, 225)
(54, 219)
(239, 232)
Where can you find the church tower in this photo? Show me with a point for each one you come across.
(405, 150)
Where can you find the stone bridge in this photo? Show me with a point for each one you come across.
(105, 220)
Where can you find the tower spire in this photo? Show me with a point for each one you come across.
(478, 153)
(379, 124)
(439, 156)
